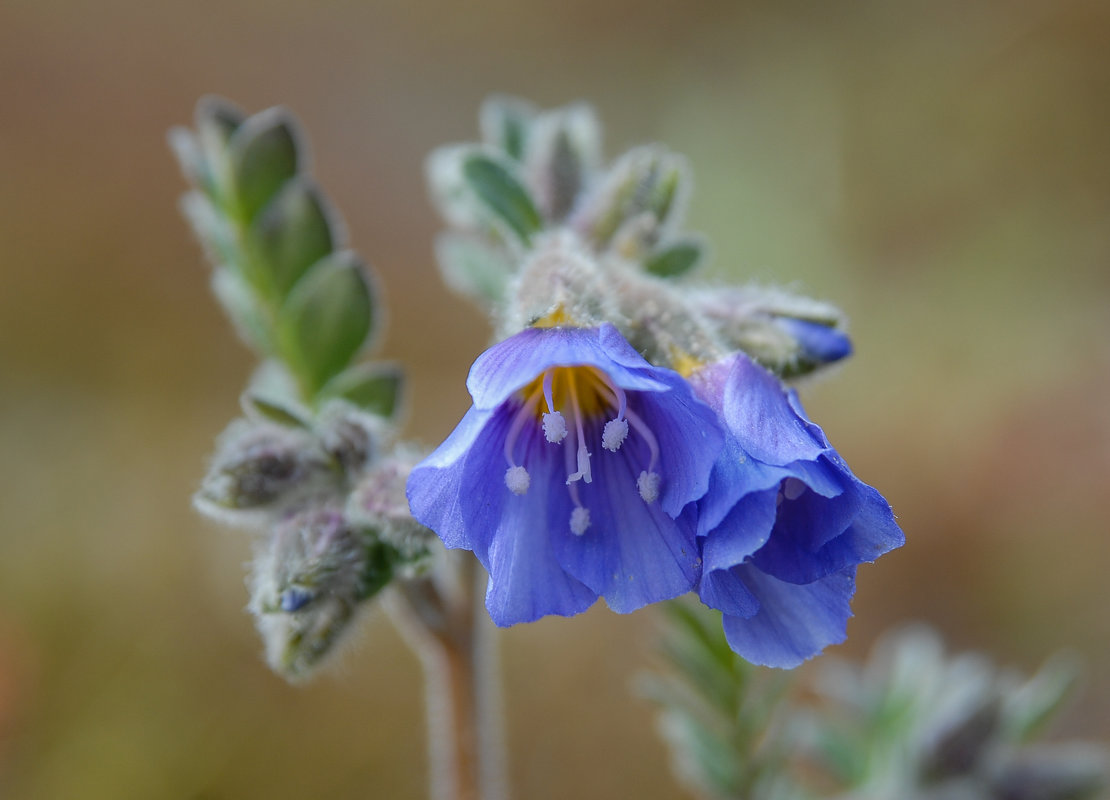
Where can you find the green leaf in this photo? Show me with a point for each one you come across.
(664, 192)
(218, 117)
(326, 319)
(644, 180)
(212, 229)
(264, 155)
(505, 122)
(675, 259)
(242, 307)
(272, 393)
(502, 194)
(216, 122)
(287, 238)
(264, 408)
(372, 387)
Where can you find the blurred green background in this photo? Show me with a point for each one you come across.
(940, 168)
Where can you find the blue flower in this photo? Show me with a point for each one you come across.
(573, 475)
(784, 523)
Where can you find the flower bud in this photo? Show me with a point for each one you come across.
(563, 152)
(259, 465)
(639, 201)
(350, 436)
(379, 503)
(307, 582)
(789, 334)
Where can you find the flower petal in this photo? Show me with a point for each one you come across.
(434, 488)
(815, 536)
(526, 580)
(633, 553)
(734, 476)
(758, 413)
(459, 491)
(793, 622)
(690, 440)
(512, 364)
(744, 531)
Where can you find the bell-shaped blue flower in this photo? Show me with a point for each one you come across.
(573, 475)
(784, 523)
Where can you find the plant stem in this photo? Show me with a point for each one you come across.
(442, 619)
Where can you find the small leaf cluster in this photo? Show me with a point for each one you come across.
(542, 170)
(911, 723)
(313, 468)
(294, 292)
(542, 230)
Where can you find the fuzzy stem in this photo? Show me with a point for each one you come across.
(444, 623)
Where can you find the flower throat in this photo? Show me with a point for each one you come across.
(565, 402)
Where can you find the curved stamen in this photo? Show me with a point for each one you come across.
(548, 377)
(516, 476)
(616, 430)
(617, 392)
(649, 437)
(648, 482)
(527, 410)
(554, 425)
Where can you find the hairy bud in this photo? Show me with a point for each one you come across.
(378, 502)
(306, 584)
(787, 333)
(563, 152)
(260, 466)
(639, 202)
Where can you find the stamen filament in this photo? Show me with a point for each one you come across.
(547, 379)
(527, 411)
(616, 395)
(649, 437)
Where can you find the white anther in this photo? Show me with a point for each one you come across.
(554, 427)
(648, 484)
(792, 488)
(579, 520)
(517, 479)
(616, 431)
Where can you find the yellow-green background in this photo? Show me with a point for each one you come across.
(940, 168)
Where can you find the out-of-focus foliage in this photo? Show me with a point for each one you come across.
(909, 723)
(312, 468)
(274, 243)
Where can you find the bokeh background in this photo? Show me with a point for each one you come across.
(940, 168)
